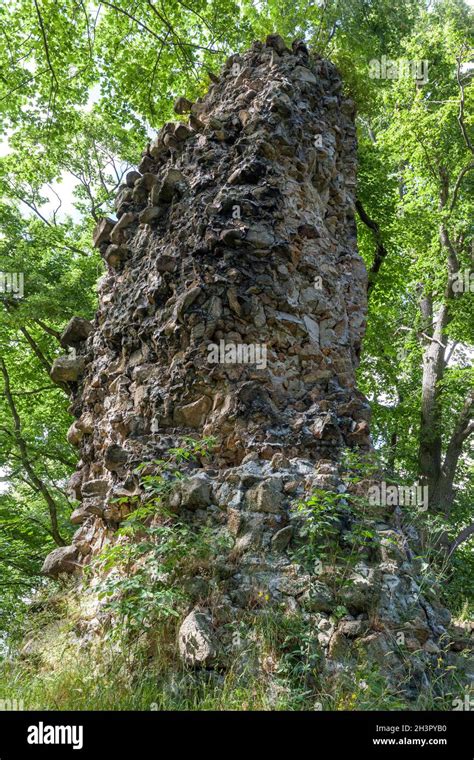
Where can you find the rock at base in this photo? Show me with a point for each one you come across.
(196, 639)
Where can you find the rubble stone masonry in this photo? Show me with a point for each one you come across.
(234, 305)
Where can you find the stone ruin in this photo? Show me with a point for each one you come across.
(234, 305)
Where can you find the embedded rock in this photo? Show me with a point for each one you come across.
(196, 639)
(102, 232)
(182, 105)
(115, 457)
(196, 492)
(61, 560)
(318, 598)
(75, 332)
(67, 369)
(282, 538)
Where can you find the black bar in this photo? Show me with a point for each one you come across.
(128, 735)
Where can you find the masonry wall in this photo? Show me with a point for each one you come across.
(234, 305)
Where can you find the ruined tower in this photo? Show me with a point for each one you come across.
(234, 305)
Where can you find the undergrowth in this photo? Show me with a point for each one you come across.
(136, 591)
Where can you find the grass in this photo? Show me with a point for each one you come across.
(278, 666)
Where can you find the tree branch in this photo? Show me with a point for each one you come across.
(45, 43)
(461, 538)
(36, 349)
(23, 449)
(380, 250)
(461, 122)
(54, 333)
(457, 184)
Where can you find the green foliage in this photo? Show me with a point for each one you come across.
(153, 550)
(319, 521)
(336, 526)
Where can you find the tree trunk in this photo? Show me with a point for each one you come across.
(430, 450)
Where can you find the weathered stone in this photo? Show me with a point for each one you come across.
(196, 124)
(182, 105)
(157, 150)
(182, 132)
(302, 74)
(196, 640)
(250, 533)
(358, 592)
(353, 628)
(67, 369)
(196, 492)
(147, 163)
(150, 214)
(98, 487)
(115, 255)
(166, 263)
(170, 142)
(266, 497)
(277, 43)
(148, 180)
(85, 423)
(79, 515)
(116, 512)
(115, 457)
(117, 234)
(76, 331)
(282, 538)
(61, 560)
(75, 485)
(140, 194)
(318, 598)
(292, 585)
(164, 191)
(123, 199)
(339, 646)
(193, 415)
(74, 435)
(102, 231)
(132, 177)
